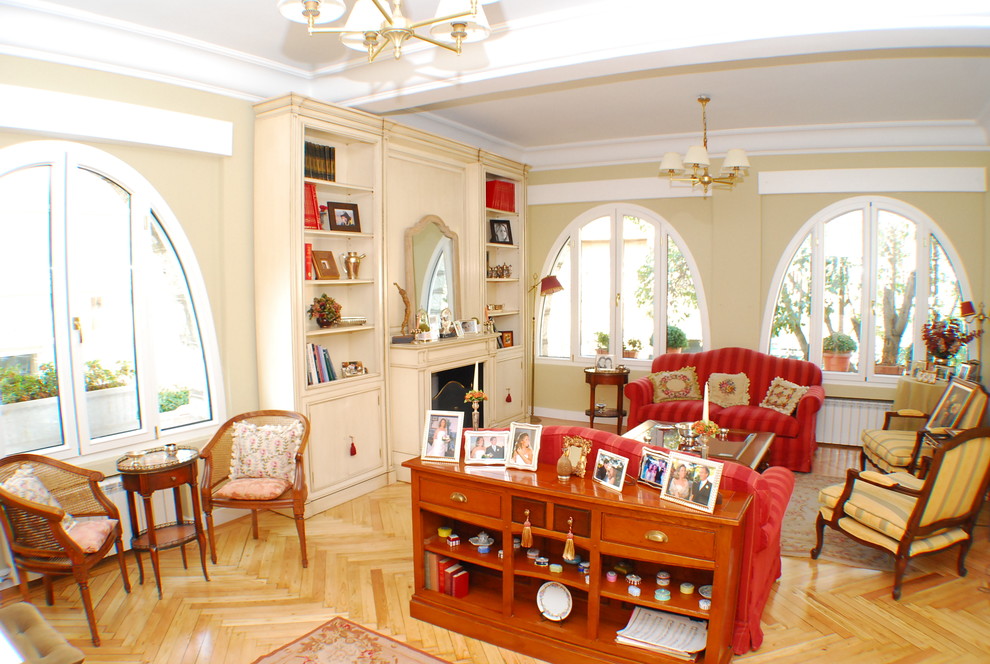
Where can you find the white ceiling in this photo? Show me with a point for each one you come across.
(579, 82)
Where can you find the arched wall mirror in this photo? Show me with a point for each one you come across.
(432, 266)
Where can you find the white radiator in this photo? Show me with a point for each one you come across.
(161, 502)
(841, 421)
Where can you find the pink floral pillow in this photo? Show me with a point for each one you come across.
(675, 385)
(268, 450)
(783, 396)
(728, 389)
(253, 488)
(25, 484)
(90, 535)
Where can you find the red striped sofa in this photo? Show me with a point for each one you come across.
(771, 491)
(794, 443)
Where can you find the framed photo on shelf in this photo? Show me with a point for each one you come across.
(950, 407)
(324, 266)
(344, 217)
(500, 231)
(610, 470)
(442, 436)
(507, 339)
(486, 447)
(653, 467)
(525, 442)
(692, 481)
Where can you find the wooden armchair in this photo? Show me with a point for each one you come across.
(910, 517)
(237, 472)
(892, 451)
(67, 526)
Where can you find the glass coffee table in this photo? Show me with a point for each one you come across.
(749, 448)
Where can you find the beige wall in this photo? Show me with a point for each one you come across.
(738, 238)
(210, 195)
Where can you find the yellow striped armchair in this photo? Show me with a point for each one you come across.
(907, 516)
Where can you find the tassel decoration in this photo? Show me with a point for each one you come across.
(527, 533)
(353, 447)
(508, 395)
(569, 544)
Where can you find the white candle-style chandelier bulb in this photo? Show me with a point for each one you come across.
(373, 25)
(734, 166)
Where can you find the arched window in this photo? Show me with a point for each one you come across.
(106, 338)
(626, 278)
(850, 287)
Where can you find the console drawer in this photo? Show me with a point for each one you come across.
(680, 540)
(460, 497)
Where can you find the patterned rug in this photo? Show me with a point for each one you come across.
(341, 641)
(798, 534)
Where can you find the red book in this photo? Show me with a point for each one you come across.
(442, 564)
(448, 577)
(312, 207)
(309, 261)
(500, 195)
(459, 583)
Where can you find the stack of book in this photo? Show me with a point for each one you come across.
(319, 163)
(445, 575)
(667, 633)
(500, 195)
(319, 367)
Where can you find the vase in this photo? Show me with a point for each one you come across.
(564, 467)
(324, 322)
(704, 441)
(352, 263)
(475, 415)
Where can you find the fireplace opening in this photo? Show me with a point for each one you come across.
(449, 386)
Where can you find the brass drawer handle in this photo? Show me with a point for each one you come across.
(458, 497)
(656, 536)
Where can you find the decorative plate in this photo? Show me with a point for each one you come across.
(482, 539)
(554, 600)
(705, 591)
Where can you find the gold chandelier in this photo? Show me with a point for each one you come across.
(734, 166)
(375, 24)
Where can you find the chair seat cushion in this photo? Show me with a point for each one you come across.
(91, 534)
(253, 488)
(268, 450)
(25, 484)
(888, 450)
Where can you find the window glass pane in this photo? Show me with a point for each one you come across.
(945, 295)
(792, 314)
(101, 298)
(180, 366)
(897, 260)
(30, 419)
(842, 315)
(555, 331)
(595, 296)
(638, 240)
(683, 311)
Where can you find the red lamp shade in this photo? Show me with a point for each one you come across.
(966, 309)
(549, 285)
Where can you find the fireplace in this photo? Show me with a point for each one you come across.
(449, 386)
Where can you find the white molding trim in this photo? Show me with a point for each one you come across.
(871, 180)
(62, 114)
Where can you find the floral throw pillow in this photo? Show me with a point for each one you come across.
(728, 389)
(783, 396)
(675, 385)
(268, 450)
(25, 484)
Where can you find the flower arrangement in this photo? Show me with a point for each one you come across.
(325, 310)
(474, 396)
(944, 338)
(705, 428)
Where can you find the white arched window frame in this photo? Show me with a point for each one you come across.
(147, 208)
(871, 205)
(663, 232)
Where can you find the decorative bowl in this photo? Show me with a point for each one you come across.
(686, 430)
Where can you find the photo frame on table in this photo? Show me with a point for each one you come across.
(610, 470)
(963, 371)
(487, 448)
(577, 450)
(951, 405)
(653, 466)
(442, 436)
(524, 446)
(324, 265)
(604, 362)
(917, 367)
(500, 231)
(344, 217)
(692, 481)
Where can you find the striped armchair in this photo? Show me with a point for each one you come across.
(907, 516)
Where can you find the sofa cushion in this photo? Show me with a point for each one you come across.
(25, 484)
(783, 395)
(675, 385)
(727, 389)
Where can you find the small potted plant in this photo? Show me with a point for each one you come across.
(601, 338)
(325, 310)
(676, 339)
(837, 349)
(631, 348)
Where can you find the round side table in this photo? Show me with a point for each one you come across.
(594, 378)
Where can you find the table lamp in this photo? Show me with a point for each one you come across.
(548, 286)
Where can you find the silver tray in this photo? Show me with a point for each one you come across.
(353, 320)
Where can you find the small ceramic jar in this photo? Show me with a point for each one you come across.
(704, 604)
(444, 531)
(633, 579)
(661, 594)
(663, 578)
(634, 591)
(585, 567)
(556, 568)
(533, 554)
(611, 576)
(542, 561)
(483, 548)
(687, 588)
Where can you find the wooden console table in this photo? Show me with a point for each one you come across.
(633, 526)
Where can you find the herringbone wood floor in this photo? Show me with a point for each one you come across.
(361, 567)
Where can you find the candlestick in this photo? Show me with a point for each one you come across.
(474, 385)
(704, 411)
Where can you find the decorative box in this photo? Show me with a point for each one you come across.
(687, 588)
(634, 591)
(661, 594)
(454, 540)
(611, 576)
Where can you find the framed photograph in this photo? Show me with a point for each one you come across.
(507, 339)
(524, 440)
(963, 371)
(943, 372)
(692, 481)
(947, 412)
(653, 467)
(324, 265)
(604, 362)
(344, 217)
(459, 328)
(470, 326)
(577, 449)
(486, 447)
(610, 470)
(501, 231)
(442, 436)
(918, 367)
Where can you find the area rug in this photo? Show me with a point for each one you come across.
(341, 641)
(798, 534)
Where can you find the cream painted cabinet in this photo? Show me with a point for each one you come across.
(510, 376)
